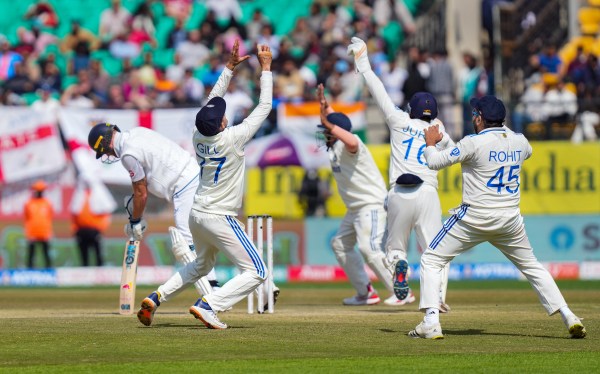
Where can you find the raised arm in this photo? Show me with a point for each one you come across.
(350, 141)
(220, 88)
(358, 49)
(246, 130)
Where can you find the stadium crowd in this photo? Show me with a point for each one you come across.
(151, 69)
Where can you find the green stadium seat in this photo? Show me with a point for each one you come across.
(198, 14)
(163, 57)
(394, 36)
(30, 97)
(69, 80)
(113, 66)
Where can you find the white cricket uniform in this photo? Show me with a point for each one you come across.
(491, 167)
(362, 189)
(408, 206)
(213, 219)
(171, 172)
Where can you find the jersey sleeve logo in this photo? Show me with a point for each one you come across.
(455, 152)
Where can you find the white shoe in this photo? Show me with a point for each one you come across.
(202, 311)
(444, 308)
(424, 331)
(370, 299)
(576, 328)
(394, 301)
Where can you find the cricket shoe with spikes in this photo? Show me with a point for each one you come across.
(394, 301)
(576, 328)
(401, 289)
(148, 308)
(370, 298)
(424, 331)
(202, 311)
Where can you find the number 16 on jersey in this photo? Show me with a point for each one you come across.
(127, 293)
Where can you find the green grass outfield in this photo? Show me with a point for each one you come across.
(494, 327)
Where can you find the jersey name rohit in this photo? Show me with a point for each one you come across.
(504, 156)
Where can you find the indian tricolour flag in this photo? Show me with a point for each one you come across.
(304, 117)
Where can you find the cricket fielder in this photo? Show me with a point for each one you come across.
(412, 201)
(362, 189)
(213, 223)
(491, 164)
(158, 166)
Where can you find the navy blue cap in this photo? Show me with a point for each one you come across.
(491, 109)
(340, 120)
(209, 118)
(423, 104)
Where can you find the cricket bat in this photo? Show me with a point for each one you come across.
(130, 261)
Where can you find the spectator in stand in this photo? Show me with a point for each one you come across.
(193, 53)
(41, 40)
(267, 38)
(123, 48)
(560, 104)
(210, 77)
(135, 93)
(315, 17)
(42, 14)
(143, 19)
(473, 84)
(100, 80)
(139, 36)
(393, 77)
(343, 84)
(238, 102)
(72, 97)
(254, 26)
(177, 35)
(418, 73)
(289, 82)
(46, 103)
(301, 35)
(441, 85)
(81, 42)
(148, 72)
(178, 9)
(192, 86)
(115, 99)
(226, 12)
(549, 60)
(88, 223)
(313, 194)
(588, 80)
(38, 214)
(210, 30)
(175, 71)
(8, 60)
(577, 64)
(20, 82)
(113, 22)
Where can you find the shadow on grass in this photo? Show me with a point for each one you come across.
(482, 332)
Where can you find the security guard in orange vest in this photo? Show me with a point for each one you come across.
(38, 223)
(88, 230)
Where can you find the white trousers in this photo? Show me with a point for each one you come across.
(413, 208)
(504, 229)
(213, 233)
(182, 206)
(366, 227)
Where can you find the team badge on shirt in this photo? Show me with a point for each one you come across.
(455, 152)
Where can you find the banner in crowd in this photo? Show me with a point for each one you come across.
(175, 124)
(560, 178)
(30, 145)
(304, 117)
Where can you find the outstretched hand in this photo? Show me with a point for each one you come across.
(234, 57)
(433, 135)
(358, 49)
(324, 106)
(265, 57)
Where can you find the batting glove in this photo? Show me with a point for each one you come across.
(358, 49)
(135, 228)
